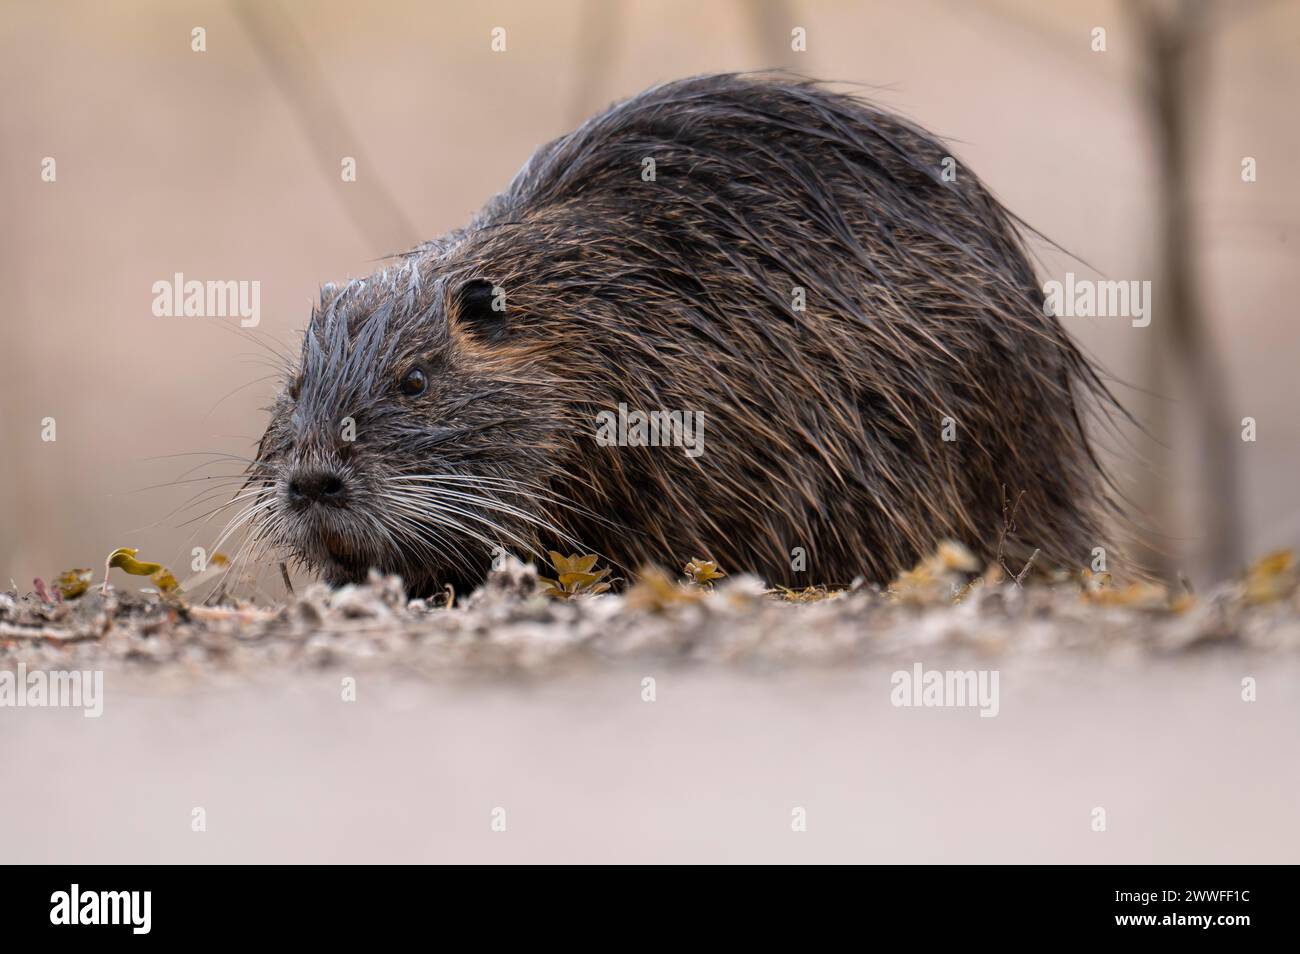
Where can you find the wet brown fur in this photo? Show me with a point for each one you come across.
(822, 428)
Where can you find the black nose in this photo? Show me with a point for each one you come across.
(321, 486)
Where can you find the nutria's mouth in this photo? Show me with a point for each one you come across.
(337, 549)
(339, 569)
(343, 559)
(340, 561)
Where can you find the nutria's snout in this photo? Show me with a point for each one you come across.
(308, 488)
(318, 508)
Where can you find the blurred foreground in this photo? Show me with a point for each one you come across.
(670, 724)
(712, 771)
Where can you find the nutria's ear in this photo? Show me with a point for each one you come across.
(481, 309)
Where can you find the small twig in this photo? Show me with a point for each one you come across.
(284, 575)
(1028, 563)
(27, 632)
(44, 593)
(1008, 527)
(248, 614)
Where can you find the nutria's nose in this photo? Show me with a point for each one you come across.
(320, 486)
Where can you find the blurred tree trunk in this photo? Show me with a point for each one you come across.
(1180, 354)
(599, 26)
(772, 21)
(377, 215)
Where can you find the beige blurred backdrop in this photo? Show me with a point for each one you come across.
(225, 165)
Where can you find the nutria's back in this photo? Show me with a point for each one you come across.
(859, 342)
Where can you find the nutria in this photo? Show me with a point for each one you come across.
(859, 339)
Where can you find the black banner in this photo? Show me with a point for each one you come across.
(1221, 904)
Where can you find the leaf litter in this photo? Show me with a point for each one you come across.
(520, 622)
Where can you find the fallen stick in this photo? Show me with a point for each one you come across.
(42, 632)
(246, 615)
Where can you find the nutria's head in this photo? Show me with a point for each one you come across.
(407, 437)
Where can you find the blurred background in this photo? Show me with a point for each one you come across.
(225, 165)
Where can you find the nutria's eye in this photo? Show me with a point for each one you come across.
(295, 388)
(414, 382)
(481, 309)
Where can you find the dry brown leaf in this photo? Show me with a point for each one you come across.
(703, 571)
(1139, 595)
(809, 594)
(1272, 577)
(574, 576)
(73, 583)
(656, 590)
(124, 559)
(955, 557)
